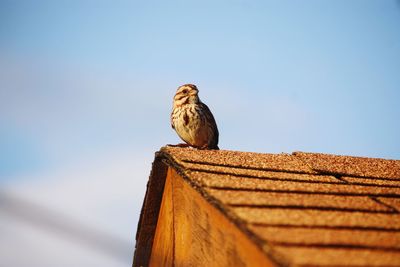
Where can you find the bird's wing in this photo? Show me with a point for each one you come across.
(172, 121)
(213, 124)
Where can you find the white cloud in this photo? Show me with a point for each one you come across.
(102, 195)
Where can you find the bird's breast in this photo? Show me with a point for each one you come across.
(189, 124)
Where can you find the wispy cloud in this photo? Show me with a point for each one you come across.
(104, 193)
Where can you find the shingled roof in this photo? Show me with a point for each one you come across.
(303, 209)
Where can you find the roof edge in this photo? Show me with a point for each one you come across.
(175, 163)
(325, 164)
(149, 214)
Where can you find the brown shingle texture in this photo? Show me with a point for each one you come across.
(240, 160)
(311, 217)
(315, 256)
(258, 173)
(312, 209)
(351, 166)
(392, 202)
(245, 183)
(371, 181)
(295, 200)
(333, 237)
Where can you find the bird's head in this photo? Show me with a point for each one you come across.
(186, 94)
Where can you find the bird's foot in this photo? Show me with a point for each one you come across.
(179, 145)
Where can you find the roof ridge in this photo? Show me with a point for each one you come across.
(340, 155)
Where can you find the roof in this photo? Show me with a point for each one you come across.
(299, 208)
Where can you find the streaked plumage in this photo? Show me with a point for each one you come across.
(193, 120)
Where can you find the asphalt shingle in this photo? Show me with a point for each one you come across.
(310, 208)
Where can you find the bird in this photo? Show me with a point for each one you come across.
(192, 119)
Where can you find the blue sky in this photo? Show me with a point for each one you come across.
(83, 83)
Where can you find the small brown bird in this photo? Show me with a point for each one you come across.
(193, 120)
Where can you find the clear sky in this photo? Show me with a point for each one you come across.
(86, 90)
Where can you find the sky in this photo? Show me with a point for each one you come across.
(86, 92)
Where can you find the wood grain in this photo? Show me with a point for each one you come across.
(162, 251)
(205, 237)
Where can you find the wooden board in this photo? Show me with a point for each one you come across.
(204, 236)
(192, 232)
(162, 250)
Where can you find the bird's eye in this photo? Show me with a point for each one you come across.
(184, 91)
